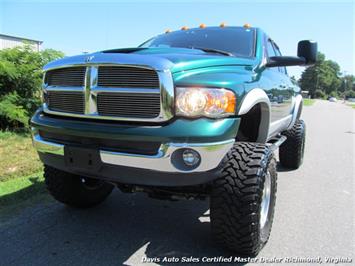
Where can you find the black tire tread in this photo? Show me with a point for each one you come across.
(236, 198)
(68, 189)
(292, 150)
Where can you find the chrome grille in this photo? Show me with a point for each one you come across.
(69, 76)
(66, 101)
(110, 92)
(127, 77)
(139, 105)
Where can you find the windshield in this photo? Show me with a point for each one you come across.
(235, 40)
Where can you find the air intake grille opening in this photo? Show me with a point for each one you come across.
(135, 105)
(70, 76)
(63, 101)
(127, 77)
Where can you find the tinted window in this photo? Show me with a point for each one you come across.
(270, 49)
(236, 40)
(278, 53)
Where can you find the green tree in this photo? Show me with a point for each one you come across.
(323, 76)
(20, 83)
(347, 83)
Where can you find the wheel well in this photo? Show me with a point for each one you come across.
(254, 125)
(249, 125)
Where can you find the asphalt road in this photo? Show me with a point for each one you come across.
(314, 213)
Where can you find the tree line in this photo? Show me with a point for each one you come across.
(324, 79)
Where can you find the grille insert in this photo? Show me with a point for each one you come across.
(70, 76)
(127, 77)
(135, 105)
(66, 101)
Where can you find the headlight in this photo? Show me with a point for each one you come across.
(216, 102)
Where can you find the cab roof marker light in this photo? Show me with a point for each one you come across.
(247, 26)
(184, 28)
(202, 25)
(223, 24)
(168, 30)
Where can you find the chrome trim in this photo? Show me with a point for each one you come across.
(279, 126)
(56, 88)
(211, 155)
(47, 147)
(91, 89)
(295, 113)
(273, 146)
(265, 201)
(87, 90)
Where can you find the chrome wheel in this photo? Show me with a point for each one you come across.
(265, 202)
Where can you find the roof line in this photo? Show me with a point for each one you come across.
(22, 38)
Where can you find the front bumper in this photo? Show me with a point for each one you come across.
(211, 155)
(212, 139)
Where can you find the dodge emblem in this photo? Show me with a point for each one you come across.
(89, 58)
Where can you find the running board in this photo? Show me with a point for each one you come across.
(276, 142)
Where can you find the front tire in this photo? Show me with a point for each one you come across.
(74, 190)
(243, 199)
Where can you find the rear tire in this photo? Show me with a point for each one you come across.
(74, 190)
(243, 199)
(292, 150)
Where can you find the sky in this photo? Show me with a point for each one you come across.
(79, 26)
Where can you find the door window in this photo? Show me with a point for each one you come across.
(278, 53)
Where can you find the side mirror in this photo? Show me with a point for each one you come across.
(308, 50)
(281, 61)
(306, 56)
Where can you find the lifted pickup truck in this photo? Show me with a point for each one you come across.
(193, 113)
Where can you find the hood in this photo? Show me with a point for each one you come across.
(161, 59)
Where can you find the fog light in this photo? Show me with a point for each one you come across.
(190, 157)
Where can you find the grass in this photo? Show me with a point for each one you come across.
(21, 177)
(18, 157)
(352, 105)
(308, 102)
(18, 193)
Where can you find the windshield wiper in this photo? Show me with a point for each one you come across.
(211, 50)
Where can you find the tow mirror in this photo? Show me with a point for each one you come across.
(306, 56)
(308, 50)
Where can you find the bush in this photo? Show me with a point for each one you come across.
(334, 94)
(20, 83)
(349, 94)
(319, 94)
(11, 112)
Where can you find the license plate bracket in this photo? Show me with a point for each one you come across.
(82, 158)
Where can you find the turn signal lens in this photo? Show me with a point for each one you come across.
(214, 103)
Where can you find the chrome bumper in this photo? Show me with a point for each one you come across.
(211, 155)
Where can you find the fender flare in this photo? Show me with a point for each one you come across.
(254, 97)
(297, 110)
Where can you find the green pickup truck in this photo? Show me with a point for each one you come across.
(193, 113)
